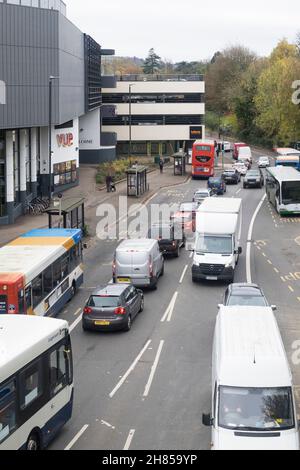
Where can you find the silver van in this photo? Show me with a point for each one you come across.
(138, 262)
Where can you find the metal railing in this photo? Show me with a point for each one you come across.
(160, 78)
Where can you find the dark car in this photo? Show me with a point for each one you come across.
(254, 179)
(170, 237)
(245, 295)
(112, 307)
(217, 184)
(232, 176)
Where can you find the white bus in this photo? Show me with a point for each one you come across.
(283, 189)
(40, 271)
(36, 380)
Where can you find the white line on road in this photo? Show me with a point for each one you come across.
(239, 190)
(131, 368)
(76, 322)
(249, 241)
(77, 312)
(191, 254)
(153, 369)
(183, 274)
(78, 435)
(129, 439)
(107, 424)
(169, 312)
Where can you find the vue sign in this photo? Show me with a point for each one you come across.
(65, 140)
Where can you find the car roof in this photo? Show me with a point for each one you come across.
(166, 224)
(245, 289)
(263, 156)
(192, 205)
(113, 290)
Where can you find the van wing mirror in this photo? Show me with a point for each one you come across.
(274, 307)
(240, 250)
(207, 420)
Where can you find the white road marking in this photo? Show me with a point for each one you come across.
(77, 312)
(131, 368)
(191, 254)
(107, 424)
(169, 312)
(129, 439)
(78, 435)
(249, 242)
(153, 369)
(183, 274)
(239, 191)
(76, 322)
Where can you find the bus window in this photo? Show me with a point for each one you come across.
(7, 410)
(37, 290)
(3, 304)
(58, 370)
(48, 283)
(21, 301)
(31, 384)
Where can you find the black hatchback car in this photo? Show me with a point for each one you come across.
(217, 184)
(112, 307)
(231, 176)
(170, 237)
(245, 295)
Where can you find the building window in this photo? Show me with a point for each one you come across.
(65, 173)
(2, 175)
(16, 166)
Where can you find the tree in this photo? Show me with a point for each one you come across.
(152, 63)
(278, 116)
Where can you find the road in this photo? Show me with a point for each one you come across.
(147, 389)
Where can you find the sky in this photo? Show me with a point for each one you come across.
(185, 29)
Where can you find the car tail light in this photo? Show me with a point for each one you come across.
(87, 310)
(174, 243)
(120, 311)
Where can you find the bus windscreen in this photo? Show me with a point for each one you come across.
(291, 192)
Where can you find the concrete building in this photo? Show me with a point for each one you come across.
(37, 41)
(158, 114)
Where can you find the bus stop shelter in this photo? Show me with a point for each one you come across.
(137, 181)
(66, 213)
(180, 162)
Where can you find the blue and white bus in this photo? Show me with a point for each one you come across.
(40, 271)
(36, 380)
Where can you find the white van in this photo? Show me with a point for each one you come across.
(218, 234)
(139, 262)
(245, 154)
(253, 405)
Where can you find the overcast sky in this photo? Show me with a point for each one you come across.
(185, 29)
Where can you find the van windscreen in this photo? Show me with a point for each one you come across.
(256, 409)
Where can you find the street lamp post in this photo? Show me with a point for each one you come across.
(51, 78)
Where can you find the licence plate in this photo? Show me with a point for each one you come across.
(124, 280)
(211, 278)
(102, 323)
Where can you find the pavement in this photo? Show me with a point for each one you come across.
(94, 196)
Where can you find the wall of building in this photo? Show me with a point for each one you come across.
(152, 133)
(35, 44)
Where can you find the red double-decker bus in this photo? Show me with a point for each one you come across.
(203, 159)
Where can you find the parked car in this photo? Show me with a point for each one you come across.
(139, 262)
(232, 176)
(202, 194)
(241, 168)
(227, 146)
(236, 147)
(217, 184)
(263, 162)
(112, 307)
(254, 178)
(170, 237)
(245, 295)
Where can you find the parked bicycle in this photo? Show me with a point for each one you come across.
(37, 206)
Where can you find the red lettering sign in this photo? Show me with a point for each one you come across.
(65, 140)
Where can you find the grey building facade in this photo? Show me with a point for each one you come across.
(37, 41)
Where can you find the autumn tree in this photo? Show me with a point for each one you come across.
(278, 116)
